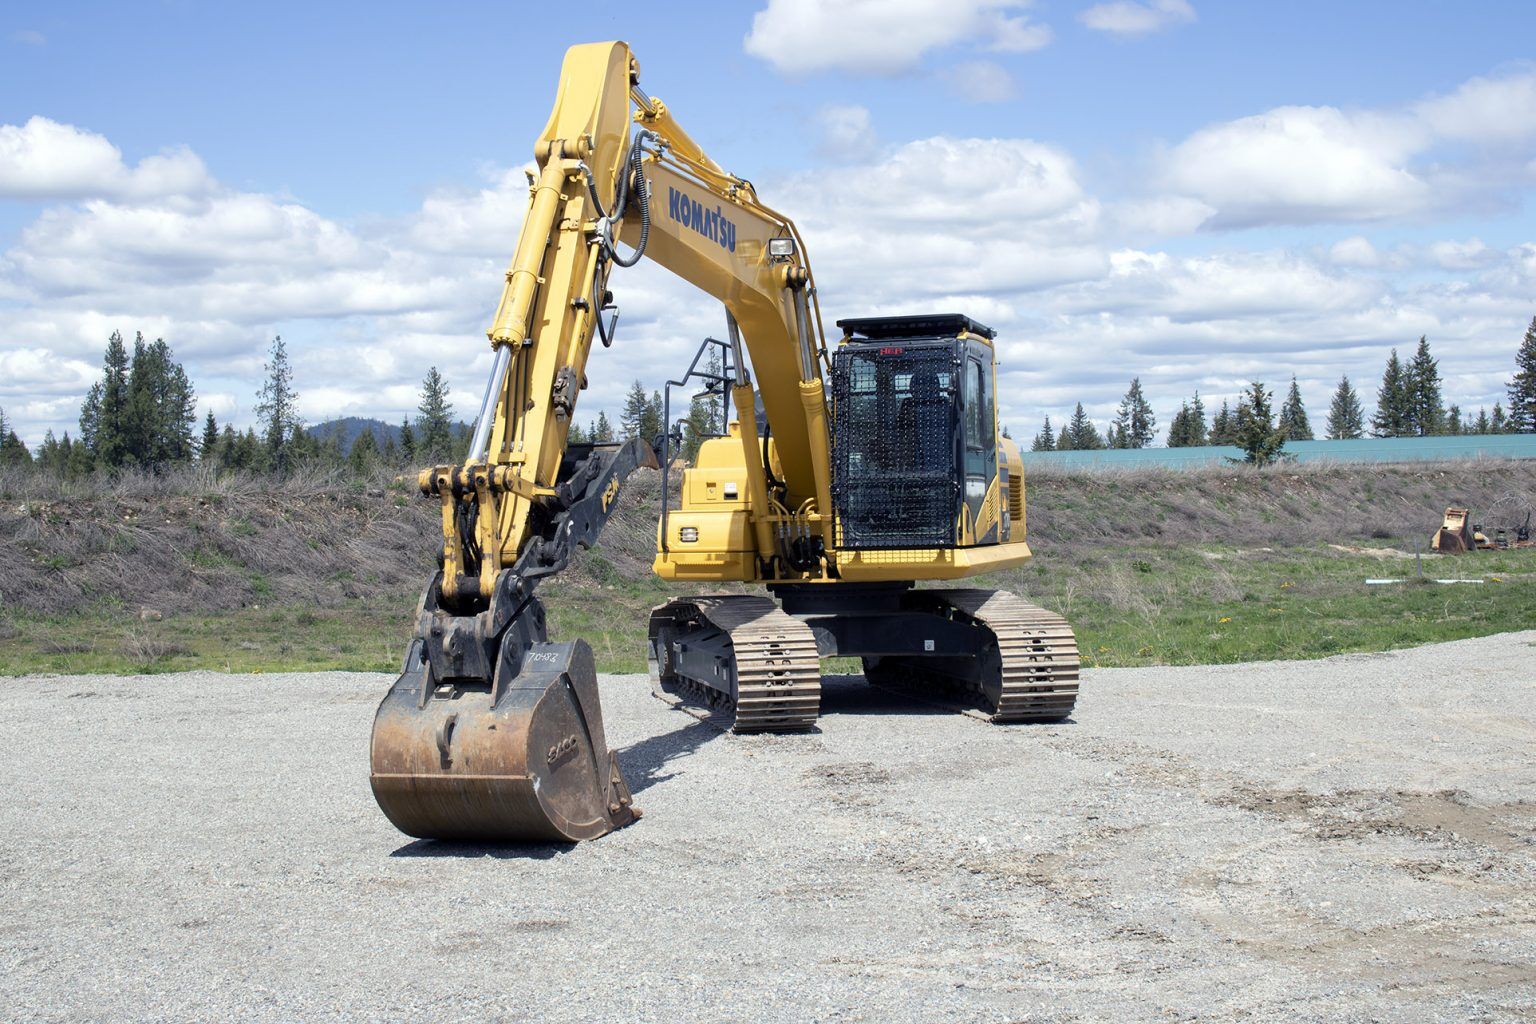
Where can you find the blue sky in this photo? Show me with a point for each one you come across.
(1194, 192)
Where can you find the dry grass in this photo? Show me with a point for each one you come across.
(1120, 547)
(1276, 506)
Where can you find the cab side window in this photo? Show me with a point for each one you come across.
(978, 407)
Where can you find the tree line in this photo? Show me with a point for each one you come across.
(1409, 403)
(142, 413)
(644, 414)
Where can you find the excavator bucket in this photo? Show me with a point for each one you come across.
(520, 759)
(492, 733)
(1455, 533)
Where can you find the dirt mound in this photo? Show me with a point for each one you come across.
(190, 544)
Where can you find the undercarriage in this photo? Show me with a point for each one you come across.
(757, 664)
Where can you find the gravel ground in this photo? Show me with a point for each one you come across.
(1341, 840)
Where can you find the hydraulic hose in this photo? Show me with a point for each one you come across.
(643, 197)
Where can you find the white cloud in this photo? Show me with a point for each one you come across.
(29, 37)
(1469, 254)
(942, 180)
(1354, 251)
(43, 159)
(1018, 35)
(883, 37)
(1084, 291)
(1323, 164)
(846, 131)
(1159, 216)
(1126, 18)
(474, 222)
(980, 81)
(1497, 109)
(1301, 164)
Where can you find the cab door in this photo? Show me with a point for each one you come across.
(979, 431)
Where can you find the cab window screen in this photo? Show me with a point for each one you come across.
(894, 452)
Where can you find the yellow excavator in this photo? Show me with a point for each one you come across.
(846, 475)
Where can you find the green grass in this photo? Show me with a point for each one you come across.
(251, 640)
(1137, 605)
(1280, 605)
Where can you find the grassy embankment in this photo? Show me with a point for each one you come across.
(1151, 567)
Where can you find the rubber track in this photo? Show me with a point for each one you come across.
(1040, 660)
(778, 670)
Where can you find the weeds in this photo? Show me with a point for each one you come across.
(1152, 566)
(146, 651)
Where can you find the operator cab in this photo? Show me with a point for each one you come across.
(914, 450)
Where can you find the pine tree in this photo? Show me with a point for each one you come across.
(1481, 426)
(636, 408)
(1394, 401)
(81, 460)
(389, 451)
(277, 405)
(1256, 433)
(1135, 426)
(654, 411)
(209, 445)
(1085, 436)
(602, 430)
(575, 434)
(407, 440)
(252, 453)
(1498, 424)
(162, 408)
(1522, 389)
(1196, 431)
(1187, 429)
(49, 453)
(1426, 413)
(1223, 426)
(1453, 423)
(434, 438)
(698, 426)
(1045, 441)
(104, 416)
(304, 447)
(1293, 416)
(364, 455)
(1064, 439)
(57, 456)
(13, 452)
(1346, 420)
(228, 450)
(1178, 428)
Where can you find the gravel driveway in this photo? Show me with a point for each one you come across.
(1339, 840)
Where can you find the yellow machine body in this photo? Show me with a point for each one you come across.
(493, 732)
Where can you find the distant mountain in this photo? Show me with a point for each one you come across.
(349, 428)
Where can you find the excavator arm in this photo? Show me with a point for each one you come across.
(660, 194)
(492, 732)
